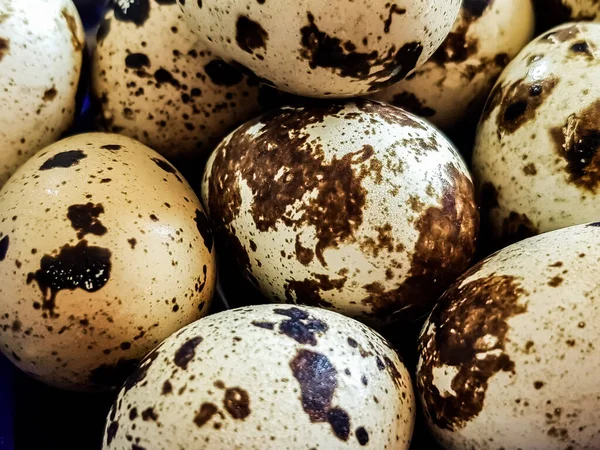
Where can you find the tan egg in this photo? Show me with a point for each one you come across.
(550, 13)
(158, 85)
(358, 207)
(104, 252)
(451, 87)
(267, 377)
(535, 155)
(41, 45)
(509, 357)
(324, 49)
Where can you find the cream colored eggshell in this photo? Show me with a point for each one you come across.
(267, 377)
(41, 44)
(359, 207)
(527, 160)
(332, 49)
(111, 214)
(451, 87)
(509, 357)
(159, 85)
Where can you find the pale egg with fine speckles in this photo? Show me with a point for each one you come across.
(509, 356)
(158, 85)
(41, 48)
(267, 377)
(535, 160)
(104, 252)
(324, 49)
(359, 207)
(451, 87)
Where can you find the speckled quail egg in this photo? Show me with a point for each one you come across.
(267, 377)
(158, 85)
(331, 49)
(452, 86)
(509, 356)
(359, 207)
(104, 252)
(535, 161)
(550, 13)
(41, 45)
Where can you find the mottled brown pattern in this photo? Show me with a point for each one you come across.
(308, 291)
(578, 143)
(412, 103)
(73, 28)
(520, 102)
(462, 319)
(444, 249)
(4, 47)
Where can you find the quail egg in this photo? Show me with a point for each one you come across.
(104, 252)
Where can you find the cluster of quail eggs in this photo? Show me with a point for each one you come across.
(342, 172)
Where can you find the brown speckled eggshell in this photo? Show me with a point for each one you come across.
(535, 160)
(359, 207)
(509, 357)
(41, 45)
(267, 377)
(104, 252)
(158, 85)
(324, 49)
(451, 87)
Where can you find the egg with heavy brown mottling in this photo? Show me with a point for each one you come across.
(41, 45)
(536, 153)
(324, 49)
(104, 251)
(157, 84)
(451, 87)
(358, 207)
(550, 13)
(509, 356)
(267, 377)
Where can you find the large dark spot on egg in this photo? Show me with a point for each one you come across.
(137, 12)
(84, 219)
(4, 47)
(110, 376)
(66, 159)
(318, 381)
(204, 228)
(223, 74)
(466, 316)
(137, 61)
(237, 403)
(250, 35)
(4, 242)
(164, 165)
(78, 267)
(186, 352)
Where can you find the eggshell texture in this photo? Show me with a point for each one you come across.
(41, 46)
(267, 377)
(509, 356)
(324, 49)
(104, 252)
(158, 85)
(535, 157)
(359, 207)
(451, 87)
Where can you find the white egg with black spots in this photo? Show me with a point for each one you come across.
(104, 252)
(41, 48)
(451, 87)
(267, 377)
(509, 356)
(536, 157)
(358, 207)
(157, 84)
(316, 49)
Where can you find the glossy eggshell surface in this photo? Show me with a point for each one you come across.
(324, 49)
(41, 45)
(359, 207)
(509, 357)
(104, 252)
(535, 156)
(451, 87)
(267, 377)
(158, 85)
